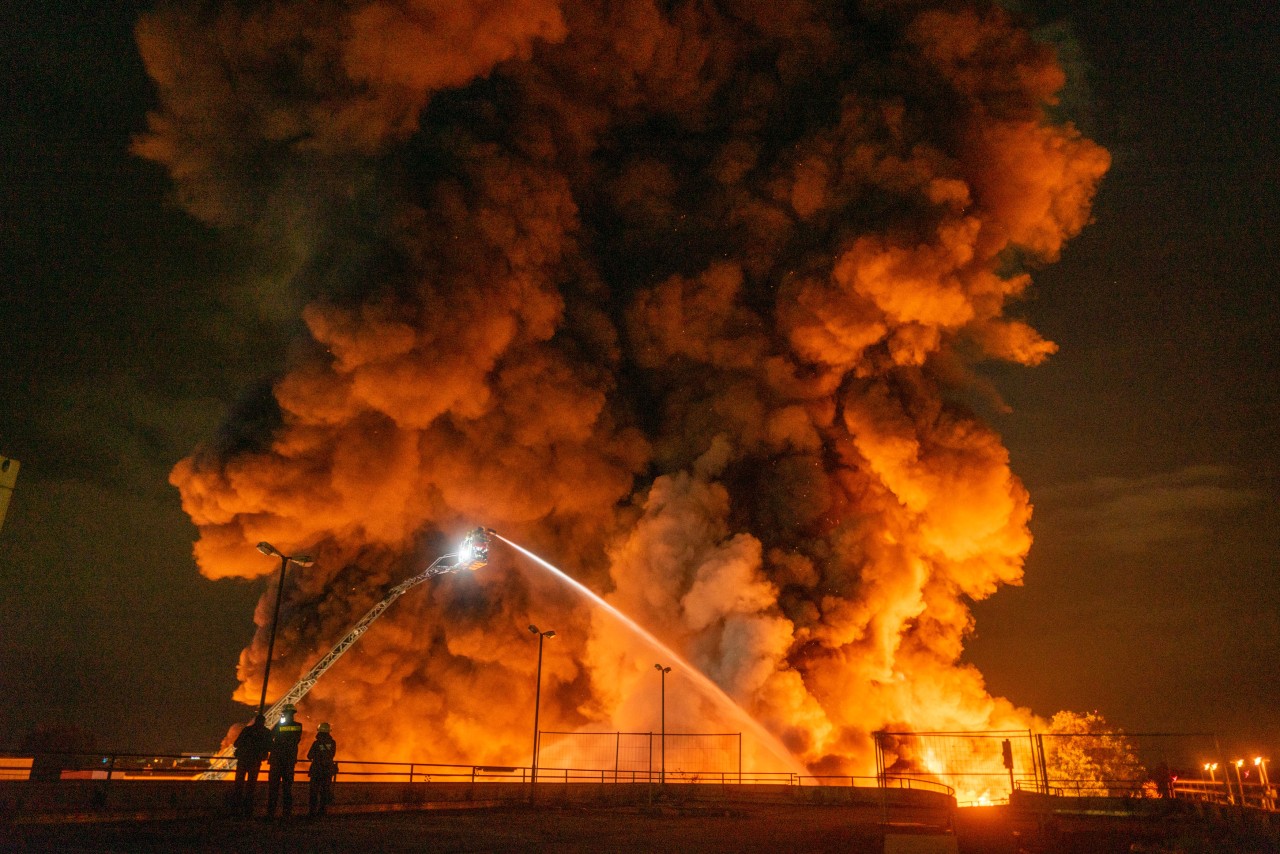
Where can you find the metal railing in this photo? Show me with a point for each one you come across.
(715, 755)
(109, 765)
(1248, 794)
(121, 765)
(1127, 788)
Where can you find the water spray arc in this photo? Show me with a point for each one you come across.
(471, 555)
(699, 679)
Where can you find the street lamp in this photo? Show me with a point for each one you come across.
(1211, 767)
(537, 702)
(663, 671)
(1261, 764)
(1239, 763)
(301, 560)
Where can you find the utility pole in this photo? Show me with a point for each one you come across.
(1006, 750)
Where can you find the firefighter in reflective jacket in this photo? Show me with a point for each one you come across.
(285, 737)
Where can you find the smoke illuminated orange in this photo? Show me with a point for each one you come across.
(682, 296)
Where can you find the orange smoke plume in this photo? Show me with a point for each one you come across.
(672, 293)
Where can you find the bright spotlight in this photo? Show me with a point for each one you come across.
(474, 551)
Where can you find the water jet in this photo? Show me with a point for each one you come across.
(700, 679)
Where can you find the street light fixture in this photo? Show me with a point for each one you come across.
(663, 671)
(1211, 767)
(537, 702)
(1239, 763)
(301, 560)
(1267, 801)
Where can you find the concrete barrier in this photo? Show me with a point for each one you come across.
(1227, 819)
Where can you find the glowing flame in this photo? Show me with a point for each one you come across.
(682, 298)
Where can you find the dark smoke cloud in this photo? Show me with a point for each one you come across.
(674, 293)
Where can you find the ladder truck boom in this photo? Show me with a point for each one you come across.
(473, 555)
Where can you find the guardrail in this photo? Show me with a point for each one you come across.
(1128, 788)
(119, 765)
(891, 781)
(1248, 794)
(1204, 791)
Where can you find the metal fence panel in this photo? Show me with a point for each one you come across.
(969, 762)
(1119, 764)
(1106, 764)
(640, 755)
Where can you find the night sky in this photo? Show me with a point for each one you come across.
(1148, 442)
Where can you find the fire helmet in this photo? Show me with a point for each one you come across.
(324, 727)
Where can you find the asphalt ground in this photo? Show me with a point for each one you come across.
(554, 829)
(662, 830)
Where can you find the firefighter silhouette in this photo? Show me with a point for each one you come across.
(285, 738)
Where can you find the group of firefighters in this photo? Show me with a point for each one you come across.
(256, 743)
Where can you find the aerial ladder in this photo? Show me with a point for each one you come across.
(473, 554)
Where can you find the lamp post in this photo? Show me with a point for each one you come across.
(1211, 767)
(662, 778)
(1239, 763)
(301, 560)
(537, 702)
(1267, 802)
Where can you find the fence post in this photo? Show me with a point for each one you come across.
(1226, 771)
(410, 772)
(106, 786)
(1035, 771)
(649, 775)
(739, 757)
(882, 778)
(617, 748)
(1043, 763)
